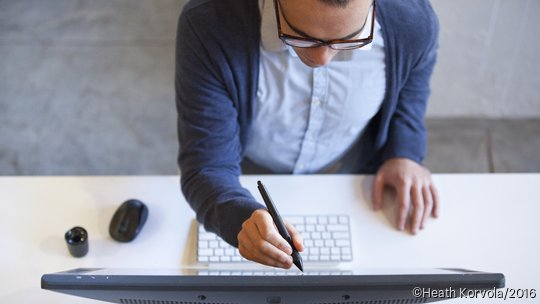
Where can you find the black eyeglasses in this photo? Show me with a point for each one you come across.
(337, 44)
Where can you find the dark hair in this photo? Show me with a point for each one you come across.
(338, 3)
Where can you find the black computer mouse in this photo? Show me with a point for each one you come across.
(128, 220)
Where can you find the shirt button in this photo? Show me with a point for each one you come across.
(316, 102)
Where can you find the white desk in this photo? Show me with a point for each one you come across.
(488, 222)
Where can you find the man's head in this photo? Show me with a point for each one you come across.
(322, 20)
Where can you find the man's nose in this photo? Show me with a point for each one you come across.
(322, 55)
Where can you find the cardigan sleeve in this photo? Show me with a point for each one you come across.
(208, 132)
(407, 133)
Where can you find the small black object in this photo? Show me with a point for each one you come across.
(128, 220)
(77, 241)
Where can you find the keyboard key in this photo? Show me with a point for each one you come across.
(311, 220)
(206, 252)
(295, 220)
(343, 243)
(333, 228)
(340, 235)
(207, 236)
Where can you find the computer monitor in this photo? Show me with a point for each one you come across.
(364, 286)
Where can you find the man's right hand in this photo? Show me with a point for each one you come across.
(260, 241)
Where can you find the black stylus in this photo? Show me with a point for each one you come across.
(297, 259)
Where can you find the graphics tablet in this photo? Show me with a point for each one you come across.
(197, 286)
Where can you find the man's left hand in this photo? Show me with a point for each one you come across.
(413, 185)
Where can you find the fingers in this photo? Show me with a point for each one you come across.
(416, 195)
(378, 187)
(425, 202)
(298, 240)
(418, 208)
(247, 251)
(269, 233)
(260, 241)
(403, 194)
(435, 195)
(428, 205)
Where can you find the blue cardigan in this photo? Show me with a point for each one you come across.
(217, 62)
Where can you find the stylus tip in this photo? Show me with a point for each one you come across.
(297, 260)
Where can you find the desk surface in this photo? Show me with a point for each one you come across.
(487, 222)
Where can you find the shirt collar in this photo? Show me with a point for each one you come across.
(269, 35)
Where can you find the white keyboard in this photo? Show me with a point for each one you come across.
(327, 239)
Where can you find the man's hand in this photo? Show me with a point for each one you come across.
(260, 241)
(413, 185)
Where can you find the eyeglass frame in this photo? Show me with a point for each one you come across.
(320, 42)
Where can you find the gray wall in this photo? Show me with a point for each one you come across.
(86, 87)
(488, 59)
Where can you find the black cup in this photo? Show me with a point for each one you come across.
(77, 241)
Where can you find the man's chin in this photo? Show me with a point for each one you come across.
(309, 63)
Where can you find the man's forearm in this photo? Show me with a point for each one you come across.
(220, 203)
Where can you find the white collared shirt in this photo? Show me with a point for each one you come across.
(307, 118)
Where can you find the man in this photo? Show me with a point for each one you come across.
(301, 86)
